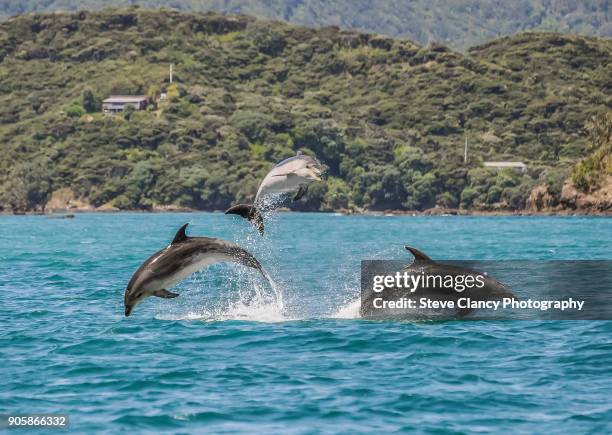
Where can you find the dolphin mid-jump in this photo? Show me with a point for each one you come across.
(184, 256)
(291, 175)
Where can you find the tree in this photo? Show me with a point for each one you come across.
(91, 103)
(337, 195)
(29, 186)
(588, 174)
(256, 126)
(128, 112)
(267, 40)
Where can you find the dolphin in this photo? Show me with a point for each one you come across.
(291, 175)
(184, 256)
(423, 265)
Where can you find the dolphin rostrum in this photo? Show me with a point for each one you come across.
(491, 289)
(291, 175)
(184, 256)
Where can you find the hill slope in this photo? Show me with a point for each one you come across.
(389, 117)
(456, 23)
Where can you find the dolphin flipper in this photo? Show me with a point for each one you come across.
(163, 293)
(301, 192)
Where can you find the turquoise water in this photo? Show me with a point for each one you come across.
(232, 354)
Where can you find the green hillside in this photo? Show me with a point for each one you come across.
(388, 117)
(456, 23)
(594, 170)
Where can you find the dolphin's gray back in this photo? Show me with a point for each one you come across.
(299, 161)
(189, 254)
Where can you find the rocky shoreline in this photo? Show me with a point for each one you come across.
(71, 212)
(541, 202)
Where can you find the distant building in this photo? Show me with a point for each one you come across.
(506, 165)
(118, 103)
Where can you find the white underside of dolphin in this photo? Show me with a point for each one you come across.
(196, 263)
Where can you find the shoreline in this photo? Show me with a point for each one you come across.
(71, 213)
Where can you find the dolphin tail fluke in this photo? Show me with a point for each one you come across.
(250, 212)
(245, 258)
(243, 210)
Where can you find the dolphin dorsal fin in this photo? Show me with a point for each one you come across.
(418, 255)
(180, 235)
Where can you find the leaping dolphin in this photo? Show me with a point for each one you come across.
(291, 175)
(184, 256)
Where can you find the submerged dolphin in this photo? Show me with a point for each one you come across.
(184, 256)
(425, 266)
(291, 175)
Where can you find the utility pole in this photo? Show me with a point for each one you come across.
(465, 151)
(171, 73)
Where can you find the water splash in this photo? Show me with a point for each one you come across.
(261, 308)
(350, 310)
(271, 202)
(255, 304)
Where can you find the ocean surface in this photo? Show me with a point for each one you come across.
(235, 354)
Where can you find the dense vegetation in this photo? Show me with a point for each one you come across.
(591, 172)
(388, 117)
(455, 23)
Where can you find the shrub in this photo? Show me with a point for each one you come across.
(254, 125)
(75, 111)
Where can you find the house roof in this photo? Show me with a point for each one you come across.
(125, 99)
